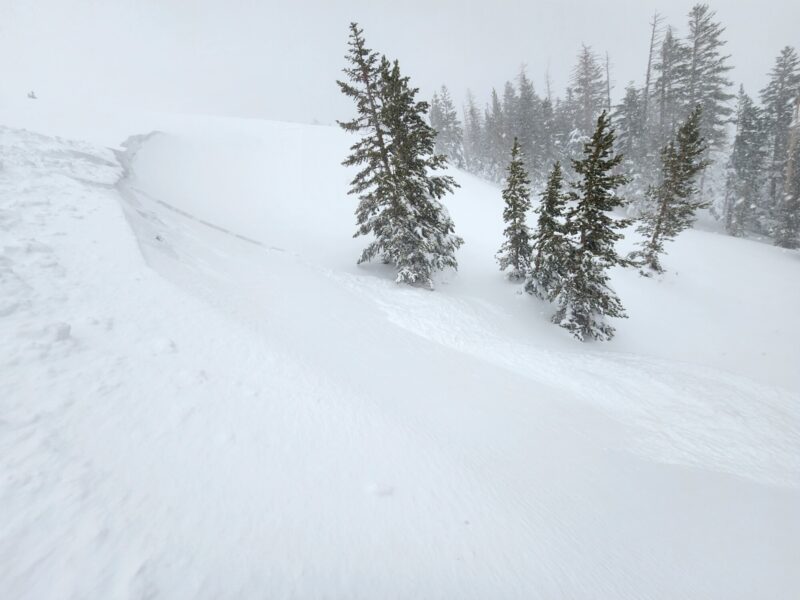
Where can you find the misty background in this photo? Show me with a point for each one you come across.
(280, 60)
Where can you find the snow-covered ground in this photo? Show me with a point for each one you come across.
(202, 396)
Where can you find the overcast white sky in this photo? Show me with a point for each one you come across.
(279, 59)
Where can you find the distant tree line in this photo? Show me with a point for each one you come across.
(749, 192)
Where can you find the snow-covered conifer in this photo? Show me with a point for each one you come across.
(584, 297)
(399, 199)
(550, 249)
(628, 123)
(474, 150)
(745, 178)
(673, 203)
(778, 99)
(529, 126)
(588, 89)
(515, 253)
(449, 133)
(494, 143)
(787, 234)
(707, 81)
(671, 85)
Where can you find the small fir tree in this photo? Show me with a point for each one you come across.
(515, 253)
(550, 249)
(584, 297)
(673, 202)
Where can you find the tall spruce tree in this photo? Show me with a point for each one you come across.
(494, 139)
(515, 253)
(787, 233)
(529, 125)
(550, 247)
(655, 40)
(672, 69)
(608, 106)
(510, 114)
(673, 202)
(584, 297)
(548, 144)
(449, 133)
(474, 149)
(570, 140)
(375, 183)
(628, 122)
(644, 161)
(435, 116)
(778, 99)
(399, 197)
(707, 80)
(745, 179)
(588, 89)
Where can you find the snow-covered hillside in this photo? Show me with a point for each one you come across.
(202, 396)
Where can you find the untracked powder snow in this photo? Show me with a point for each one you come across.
(202, 395)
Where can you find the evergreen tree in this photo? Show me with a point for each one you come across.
(787, 234)
(585, 300)
(745, 169)
(671, 86)
(672, 204)
(449, 134)
(474, 149)
(435, 116)
(628, 122)
(655, 40)
(550, 249)
(778, 98)
(608, 106)
(707, 84)
(375, 183)
(510, 114)
(588, 90)
(548, 134)
(494, 139)
(644, 162)
(569, 139)
(515, 253)
(399, 198)
(528, 127)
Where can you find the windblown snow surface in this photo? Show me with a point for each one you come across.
(203, 396)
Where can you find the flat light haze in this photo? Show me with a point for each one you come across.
(280, 60)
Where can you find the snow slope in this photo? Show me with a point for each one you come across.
(202, 396)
